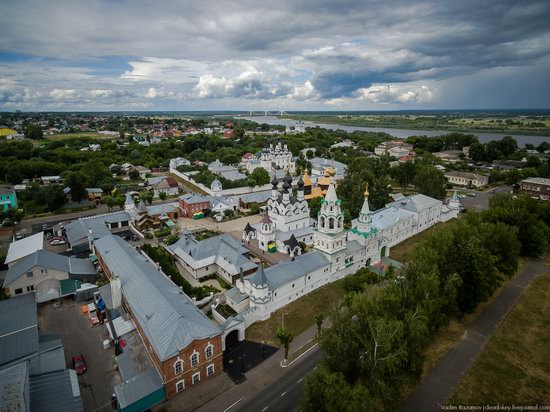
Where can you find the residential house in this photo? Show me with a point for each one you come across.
(191, 203)
(536, 187)
(184, 345)
(95, 194)
(467, 179)
(143, 171)
(179, 161)
(51, 180)
(164, 184)
(45, 273)
(8, 198)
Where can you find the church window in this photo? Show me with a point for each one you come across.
(331, 223)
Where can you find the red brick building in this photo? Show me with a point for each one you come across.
(191, 203)
(536, 187)
(185, 346)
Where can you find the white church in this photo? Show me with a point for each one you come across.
(336, 253)
(275, 157)
(286, 221)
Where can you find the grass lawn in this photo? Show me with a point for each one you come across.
(299, 315)
(403, 251)
(80, 136)
(514, 367)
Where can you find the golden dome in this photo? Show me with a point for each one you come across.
(366, 190)
(329, 171)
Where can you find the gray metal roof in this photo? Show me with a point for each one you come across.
(93, 227)
(285, 272)
(236, 295)
(416, 203)
(49, 260)
(13, 388)
(18, 328)
(24, 247)
(138, 387)
(257, 197)
(384, 218)
(55, 391)
(162, 208)
(233, 175)
(223, 250)
(191, 198)
(168, 317)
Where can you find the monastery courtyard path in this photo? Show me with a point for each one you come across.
(441, 382)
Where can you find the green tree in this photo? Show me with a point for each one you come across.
(319, 318)
(120, 201)
(261, 176)
(146, 196)
(34, 132)
(477, 152)
(133, 174)
(163, 196)
(404, 174)
(53, 197)
(315, 206)
(430, 182)
(285, 338)
(110, 201)
(325, 391)
(77, 182)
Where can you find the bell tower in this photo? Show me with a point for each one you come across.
(330, 236)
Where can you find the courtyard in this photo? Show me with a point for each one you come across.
(79, 337)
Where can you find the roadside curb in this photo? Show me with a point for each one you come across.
(286, 365)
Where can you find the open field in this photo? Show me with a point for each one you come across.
(514, 367)
(403, 251)
(79, 136)
(298, 315)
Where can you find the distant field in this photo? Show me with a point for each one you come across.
(80, 136)
(514, 367)
(529, 125)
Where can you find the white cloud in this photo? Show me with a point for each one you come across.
(62, 94)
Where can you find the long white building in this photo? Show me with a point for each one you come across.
(337, 252)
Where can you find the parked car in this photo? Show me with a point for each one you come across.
(56, 242)
(492, 191)
(79, 364)
(18, 236)
(49, 236)
(472, 194)
(44, 227)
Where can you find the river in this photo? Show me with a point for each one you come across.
(399, 133)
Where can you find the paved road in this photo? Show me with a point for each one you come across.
(445, 377)
(481, 200)
(283, 394)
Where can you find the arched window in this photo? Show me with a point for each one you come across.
(322, 220)
(194, 359)
(178, 367)
(331, 223)
(209, 351)
(180, 385)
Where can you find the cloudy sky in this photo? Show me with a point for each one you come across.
(274, 54)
